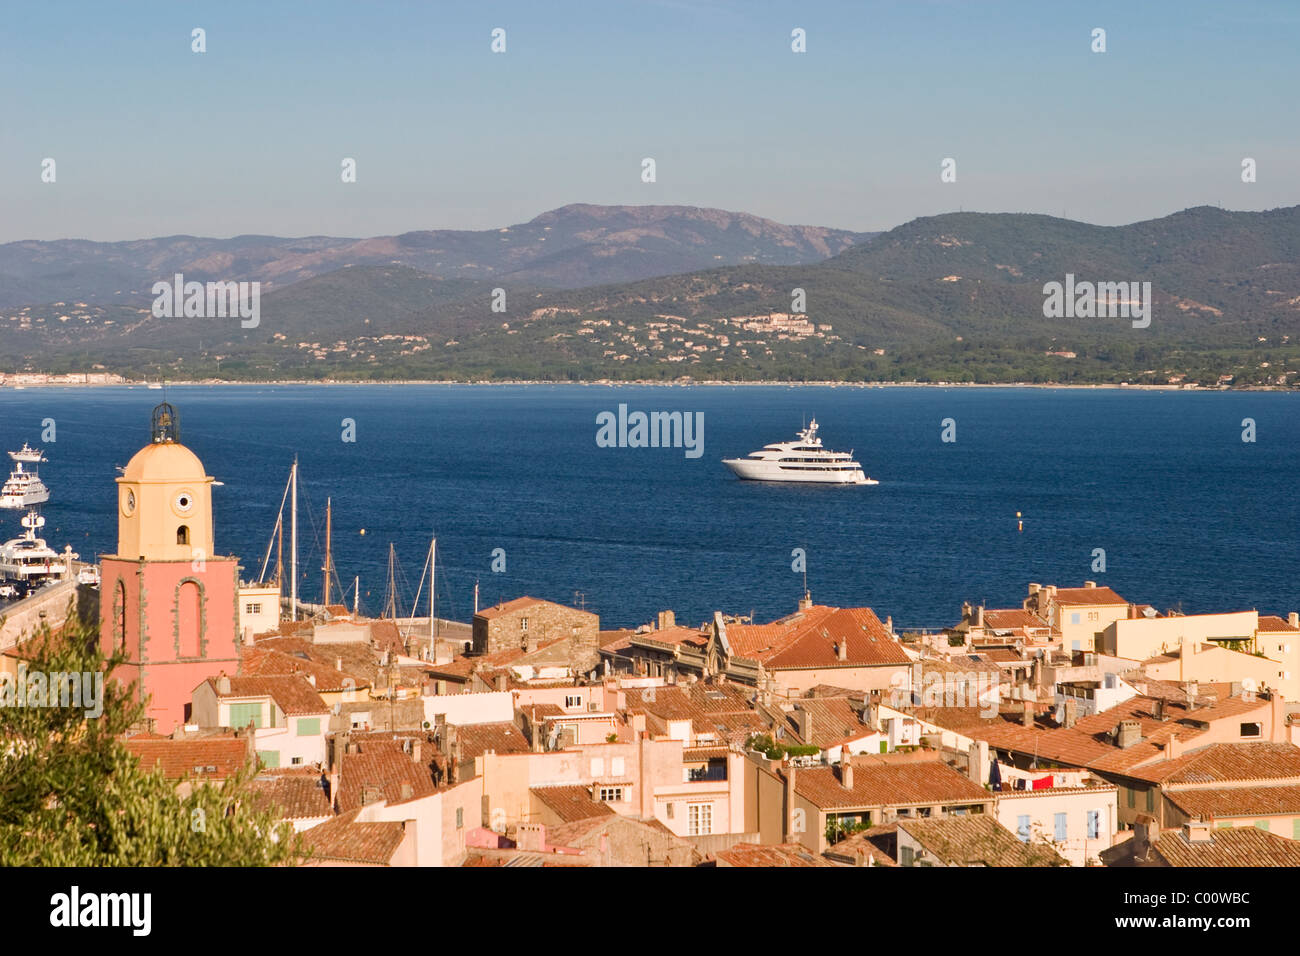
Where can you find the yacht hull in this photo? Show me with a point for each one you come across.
(749, 470)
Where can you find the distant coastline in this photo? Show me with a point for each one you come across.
(611, 383)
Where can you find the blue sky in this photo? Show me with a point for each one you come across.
(152, 139)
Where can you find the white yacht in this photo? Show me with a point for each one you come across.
(801, 460)
(24, 487)
(28, 562)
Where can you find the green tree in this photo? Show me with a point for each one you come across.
(71, 794)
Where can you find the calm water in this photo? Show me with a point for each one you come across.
(1185, 510)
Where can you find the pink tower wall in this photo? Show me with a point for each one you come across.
(151, 623)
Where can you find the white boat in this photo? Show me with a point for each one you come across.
(24, 487)
(28, 562)
(801, 460)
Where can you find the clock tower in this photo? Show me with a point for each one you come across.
(165, 597)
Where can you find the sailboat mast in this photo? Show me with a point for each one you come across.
(293, 548)
(329, 560)
(279, 549)
(356, 596)
(433, 621)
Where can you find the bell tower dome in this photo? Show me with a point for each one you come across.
(164, 498)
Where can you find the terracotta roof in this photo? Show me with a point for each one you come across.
(571, 803)
(358, 657)
(1232, 846)
(488, 613)
(379, 771)
(293, 695)
(877, 842)
(1093, 596)
(676, 634)
(1272, 624)
(385, 636)
(501, 737)
(719, 709)
(1010, 619)
(882, 785)
(265, 662)
(834, 720)
(212, 758)
(343, 839)
(1214, 802)
(977, 840)
(293, 795)
(780, 855)
(810, 638)
(1221, 763)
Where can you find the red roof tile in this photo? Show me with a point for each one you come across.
(211, 758)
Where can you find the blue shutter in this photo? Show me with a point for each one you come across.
(1062, 827)
(1094, 824)
(1022, 827)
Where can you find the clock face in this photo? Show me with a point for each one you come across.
(183, 502)
(128, 503)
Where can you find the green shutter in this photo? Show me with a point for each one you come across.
(1295, 829)
(269, 759)
(241, 714)
(308, 726)
(1261, 825)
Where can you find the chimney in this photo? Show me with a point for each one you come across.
(871, 712)
(338, 663)
(501, 682)
(805, 602)
(1198, 831)
(889, 623)
(223, 684)
(1028, 718)
(842, 649)
(417, 751)
(1130, 733)
(805, 720)
(1071, 712)
(789, 804)
(1173, 748)
(1132, 612)
(407, 791)
(846, 769)
(667, 619)
(1033, 588)
(977, 765)
(1160, 708)
(965, 610)
(979, 616)
(1089, 584)
(1293, 619)
(532, 837)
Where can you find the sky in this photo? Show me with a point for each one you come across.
(150, 138)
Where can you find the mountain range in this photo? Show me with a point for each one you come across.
(593, 292)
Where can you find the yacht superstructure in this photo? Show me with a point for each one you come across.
(801, 460)
(27, 563)
(24, 487)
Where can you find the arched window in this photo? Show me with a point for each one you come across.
(189, 619)
(119, 616)
(183, 534)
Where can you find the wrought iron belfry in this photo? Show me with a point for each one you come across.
(166, 424)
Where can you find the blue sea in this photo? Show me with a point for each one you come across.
(1187, 513)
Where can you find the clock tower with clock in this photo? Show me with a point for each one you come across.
(165, 597)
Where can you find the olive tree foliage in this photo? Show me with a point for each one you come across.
(72, 794)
